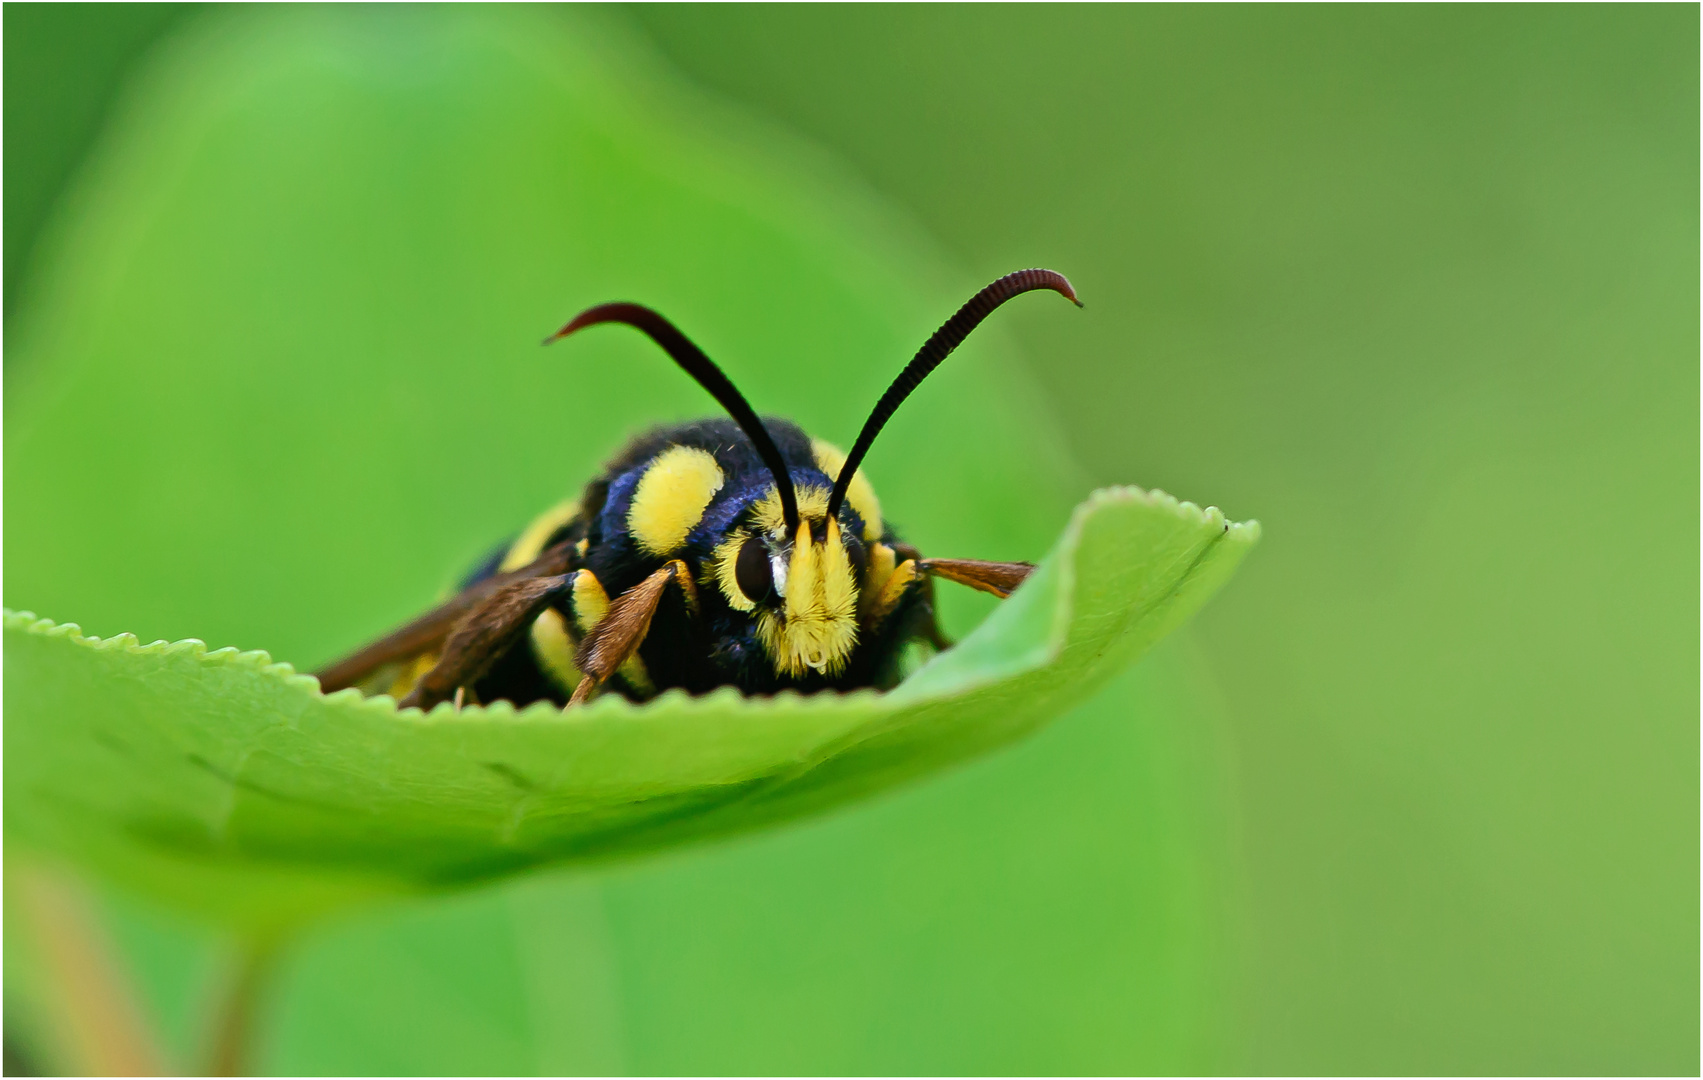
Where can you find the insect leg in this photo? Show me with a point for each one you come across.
(494, 626)
(554, 642)
(426, 633)
(618, 635)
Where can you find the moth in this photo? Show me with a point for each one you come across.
(732, 551)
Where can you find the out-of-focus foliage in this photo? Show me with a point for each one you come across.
(63, 65)
(1416, 286)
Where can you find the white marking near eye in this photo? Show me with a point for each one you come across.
(777, 570)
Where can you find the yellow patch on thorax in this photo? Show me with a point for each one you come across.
(671, 498)
(860, 495)
(530, 545)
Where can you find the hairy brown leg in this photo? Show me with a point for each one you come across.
(618, 635)
(493, 627)
(426, 633)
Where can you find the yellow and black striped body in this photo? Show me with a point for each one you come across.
(726, 552)
(842, 600)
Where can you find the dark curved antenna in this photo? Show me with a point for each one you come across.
(937, 348)
(703, 369)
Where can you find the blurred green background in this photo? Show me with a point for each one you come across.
(1417, 287)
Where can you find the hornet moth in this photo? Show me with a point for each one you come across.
(733, 551)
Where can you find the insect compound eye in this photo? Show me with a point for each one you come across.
(751, 570)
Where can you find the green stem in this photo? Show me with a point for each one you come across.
(235, 1024)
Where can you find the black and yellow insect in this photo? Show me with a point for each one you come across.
(724, 552)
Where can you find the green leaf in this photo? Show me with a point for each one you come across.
(229, 783)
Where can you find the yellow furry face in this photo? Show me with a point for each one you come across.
(814, 625)
(671, 497)
(816, 628)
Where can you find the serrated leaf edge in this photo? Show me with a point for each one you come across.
(610, 706)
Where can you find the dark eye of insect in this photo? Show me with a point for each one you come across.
(751, 570)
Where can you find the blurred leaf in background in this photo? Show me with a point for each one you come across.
(64, 65)
(1416, 286)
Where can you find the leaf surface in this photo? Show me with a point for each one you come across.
(229, 784)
